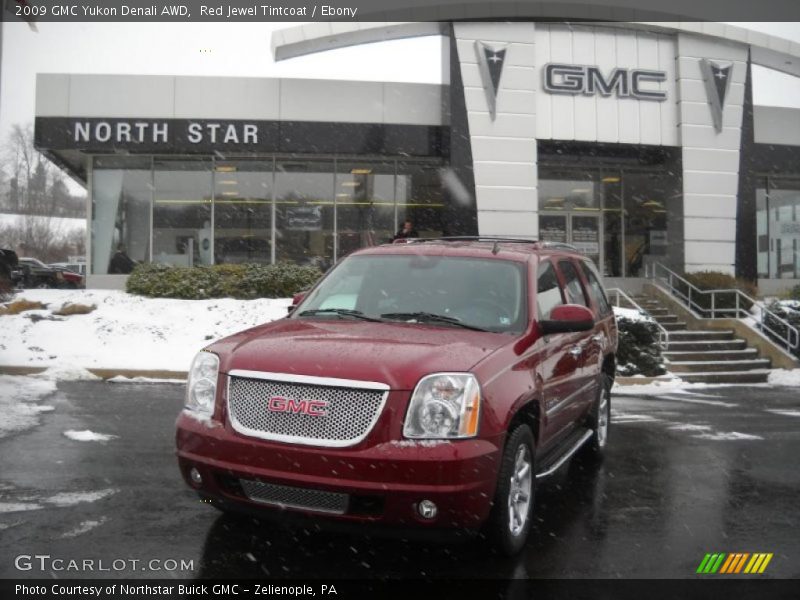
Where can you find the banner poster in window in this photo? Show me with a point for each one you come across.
(304, 218)
(553, 228)
(586, 234)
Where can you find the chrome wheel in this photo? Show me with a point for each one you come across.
(519, 491)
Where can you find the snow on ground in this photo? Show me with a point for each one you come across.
(785, 377)
(658, 388)
(19, 397)
(632, 314)
(88, 436)
(72, 498)
(6, 507)
(84, 527)
(125, 331)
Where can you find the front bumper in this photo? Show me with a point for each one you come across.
(384, 481)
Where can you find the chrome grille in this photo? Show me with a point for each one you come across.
(351, 412)
(285, 496)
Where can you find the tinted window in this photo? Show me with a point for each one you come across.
(548, 293)
(596, 290)
(572, 284)
(489, 294)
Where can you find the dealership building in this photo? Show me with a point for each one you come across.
(637, 142)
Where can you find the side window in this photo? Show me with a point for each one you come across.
(572, 283)
(548, 292)
(596, 290)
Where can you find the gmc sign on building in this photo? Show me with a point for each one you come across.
(588, 80)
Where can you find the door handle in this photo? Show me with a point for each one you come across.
(576, 351)
(597, 338)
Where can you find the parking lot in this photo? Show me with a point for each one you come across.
(688, 473)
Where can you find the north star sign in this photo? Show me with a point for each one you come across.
(158, 132)
(641, 84)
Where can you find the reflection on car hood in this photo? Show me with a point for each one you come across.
(397, 354)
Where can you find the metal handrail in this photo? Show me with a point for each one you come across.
(663, 334)
(789, 336)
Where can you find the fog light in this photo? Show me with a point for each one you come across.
(195, 476)
(427, 509)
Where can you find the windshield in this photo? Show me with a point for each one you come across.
(443, 291)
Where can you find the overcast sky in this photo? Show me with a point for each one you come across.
(240, 49)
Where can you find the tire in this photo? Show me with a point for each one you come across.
(600, 421)
(510, 520)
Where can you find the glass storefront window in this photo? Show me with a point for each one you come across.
(121, 198)
(243, 212)
(619, 217)
(304, 212)
(182, 218)
(199, 211)
(778, 228)
(364, 205)
(420, 199)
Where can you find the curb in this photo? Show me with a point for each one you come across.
(641, 380)
(102, 373)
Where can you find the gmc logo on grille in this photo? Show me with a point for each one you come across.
(312, 408)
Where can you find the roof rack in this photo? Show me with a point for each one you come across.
(495, 239)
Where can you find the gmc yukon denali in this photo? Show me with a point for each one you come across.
(424, 385)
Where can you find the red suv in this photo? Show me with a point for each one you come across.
(426, 384)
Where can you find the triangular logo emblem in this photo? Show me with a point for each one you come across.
(717, 77)
(491, 58)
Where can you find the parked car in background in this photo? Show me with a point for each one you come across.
(423, 385)
(72, 267)
(36, 274)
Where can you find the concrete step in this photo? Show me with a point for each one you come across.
(755, 376)
(746, 354)
(718, 366)
(665, 318)
(657, 312)
(690, 335)
(704, 345)
(676, 326)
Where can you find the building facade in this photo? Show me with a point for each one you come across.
(638, 143)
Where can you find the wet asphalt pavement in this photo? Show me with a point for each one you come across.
(712, 470)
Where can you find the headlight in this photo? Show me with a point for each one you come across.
(444, 406)
(201, 389)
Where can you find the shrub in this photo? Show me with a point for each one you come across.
(794, 293)
(638, 352)
(221, 281)
(715, 280)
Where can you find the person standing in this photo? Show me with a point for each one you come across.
(406, 231)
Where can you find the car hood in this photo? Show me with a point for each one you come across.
(397, 354)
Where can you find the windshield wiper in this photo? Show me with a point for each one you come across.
(345, 312)
(431, 318)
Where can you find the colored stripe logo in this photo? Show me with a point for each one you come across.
(734, 563)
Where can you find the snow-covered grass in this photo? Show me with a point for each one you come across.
(125, 331)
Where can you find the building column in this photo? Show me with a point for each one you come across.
(710, 157)
(503, 147)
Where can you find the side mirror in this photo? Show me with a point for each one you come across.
(296, 299)
(567, 318)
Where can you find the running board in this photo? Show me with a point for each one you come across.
(580, 441)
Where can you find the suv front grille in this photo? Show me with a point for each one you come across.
(274, 406)
(285, 496)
